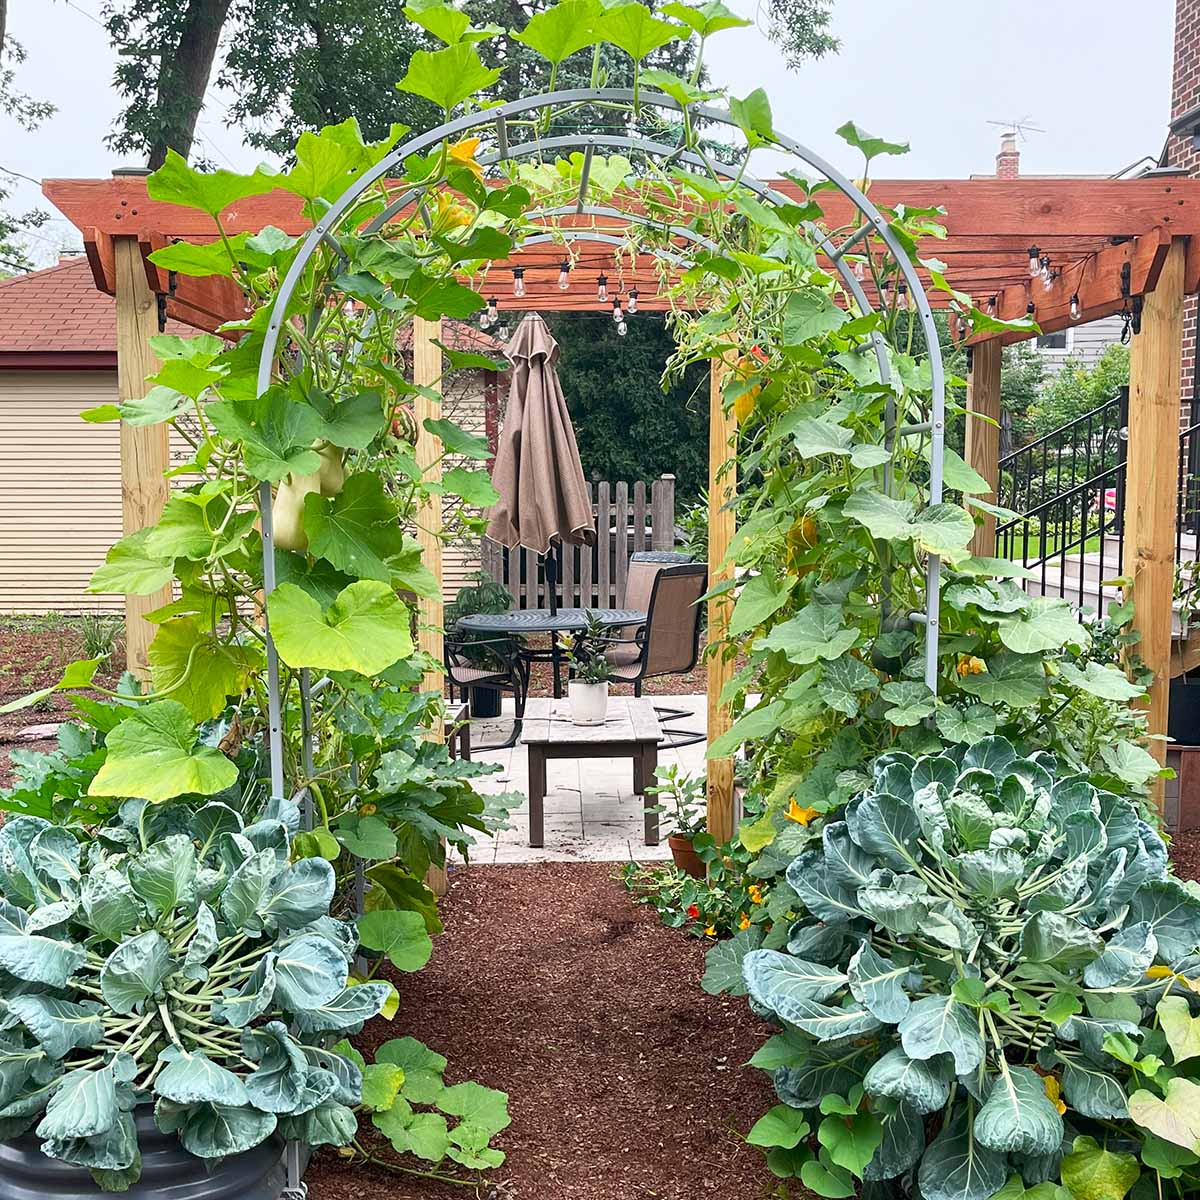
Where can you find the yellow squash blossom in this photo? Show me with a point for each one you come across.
(449, 215)
(968, 664)
(463, 153)
(1054, 1092)
(801, 816)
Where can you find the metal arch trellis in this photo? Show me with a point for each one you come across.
(873, 225)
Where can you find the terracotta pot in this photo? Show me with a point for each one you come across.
(589, 702)
(685, 856)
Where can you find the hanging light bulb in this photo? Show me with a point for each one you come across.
(860, 270)
(490, 315)
(602, 288)
(632, 305)
(1074, 306)
(1045, 271)
(564, 275)
(991, 306)
(622, 329)
(1035, 262)
(618, 312)
(518, 282)
(885, 293)
(902, 296)
(1030, 309)
(502, 333)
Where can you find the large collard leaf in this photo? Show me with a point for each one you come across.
(1017, 1117)
(164, 875)
(135, 971)
(299, 894)
(113, 1156)
(794, 989)
(902, 1142)
(191, 1077)
(36, 959)
(59, 1026)
(1127, 955)
(923, 1084)
(109, 903)
(153, 754)
(941, 1025)
(309, 971)
(824, 896)
(349, 1009)
(357, 530)
(366, 628)
(241, 1006)
(958, 1167)
(280, 1084)
(877, 984)
(219, 1130)
(723, 963)
(329, 1124)
(1173, 914)
(244, 895)
(1090, 1091)
(887, 827)
(84, 1104)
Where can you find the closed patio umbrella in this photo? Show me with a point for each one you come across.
(543, 494)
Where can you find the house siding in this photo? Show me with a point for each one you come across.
(1085, 345)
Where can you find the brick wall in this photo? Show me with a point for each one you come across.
(1185, 94)
(1008, 161)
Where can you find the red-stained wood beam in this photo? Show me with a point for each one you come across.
(1097, 283)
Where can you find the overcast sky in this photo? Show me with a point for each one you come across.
(1093, 74)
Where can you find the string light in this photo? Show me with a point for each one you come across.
(1046, 273)
(1074, 306)
(991, 306)
(490, 315)
(622, 329)
(902, 296)
(602, 288)
(860, 270)
(502, 333)
(518, 281)
(1035, 261)
(1030, 309)
(564, 275)
(632, 306)
(618, 312)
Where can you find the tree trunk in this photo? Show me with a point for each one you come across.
(3, 23)
(184, 76)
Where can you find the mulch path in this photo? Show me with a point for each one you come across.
(625, 1081)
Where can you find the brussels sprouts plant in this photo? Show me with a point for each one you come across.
(995, 972)
(176, 958)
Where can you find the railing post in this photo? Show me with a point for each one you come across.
(983, 433)
(1152, 491)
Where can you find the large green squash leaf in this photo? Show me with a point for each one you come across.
(400, 934)
(447, 77)
(199, 669)
(561, 30)
(1092, 1173)
(275, 432)
(635, 30)
(211, 192)
(1049, 624)
(130, 569)
(153, 754)
(357, 530)
(366, 628)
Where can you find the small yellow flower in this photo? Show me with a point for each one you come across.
(755, 893)
(1054, 1092)
(801, 816)
(969, 664)
(449, 215)
(744, 923)
(367, 810)
(463, 153)
(710, 931)
(1159, 973)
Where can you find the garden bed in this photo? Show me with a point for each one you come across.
(624, 1079)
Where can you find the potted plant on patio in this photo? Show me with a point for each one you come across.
(684, 811)
(587, 689)
(485, 595)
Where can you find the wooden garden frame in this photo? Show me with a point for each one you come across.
(1114, 243)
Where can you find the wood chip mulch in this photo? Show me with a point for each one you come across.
(625, 1081)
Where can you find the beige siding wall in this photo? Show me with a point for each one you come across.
(460, 557)
(60, 490)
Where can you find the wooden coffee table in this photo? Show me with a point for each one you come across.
(631, 730)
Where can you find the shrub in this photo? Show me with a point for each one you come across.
(995, 968)
(177, 958)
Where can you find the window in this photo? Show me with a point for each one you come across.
(1060, 341)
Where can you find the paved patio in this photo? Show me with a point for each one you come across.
(592, 814)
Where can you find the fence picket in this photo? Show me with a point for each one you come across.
(621, 549)
(639, 516)
(604, 518)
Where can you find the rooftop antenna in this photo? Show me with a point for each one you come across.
(1019, 128)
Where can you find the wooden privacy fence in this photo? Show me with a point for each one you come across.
(629, 518)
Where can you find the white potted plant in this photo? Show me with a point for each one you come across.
(587, 690)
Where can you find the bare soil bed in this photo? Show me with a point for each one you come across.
(625, 1081)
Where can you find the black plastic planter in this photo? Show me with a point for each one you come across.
(167, 1170)
(484, 701)
(1183, 721)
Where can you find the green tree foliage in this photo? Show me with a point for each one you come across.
(627, 428)
(801, 29)
(1077, 389)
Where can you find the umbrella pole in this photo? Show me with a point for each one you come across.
(552, 579)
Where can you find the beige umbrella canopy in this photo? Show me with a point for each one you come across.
(543, 494)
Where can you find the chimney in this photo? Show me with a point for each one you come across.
(1008, 161)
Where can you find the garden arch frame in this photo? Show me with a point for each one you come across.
(722, 436)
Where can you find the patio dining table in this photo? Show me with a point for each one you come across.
(523, 622)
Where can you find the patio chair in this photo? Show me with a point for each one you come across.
(669, 642)
(491, 663)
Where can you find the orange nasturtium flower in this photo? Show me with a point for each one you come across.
(801, 816)
(462, 154)
(744, 923)
(1054, 1092)
(693, 911)
(755, 893)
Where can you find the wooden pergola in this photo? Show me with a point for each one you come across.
(1113, 246)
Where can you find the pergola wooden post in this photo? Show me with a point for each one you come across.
(427, 373)
(144, 449)
(1152, 483)
(983, 432)
(722, 484)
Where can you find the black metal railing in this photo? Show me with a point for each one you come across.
(1069, 491)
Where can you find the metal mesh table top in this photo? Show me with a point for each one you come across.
(542, 620)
